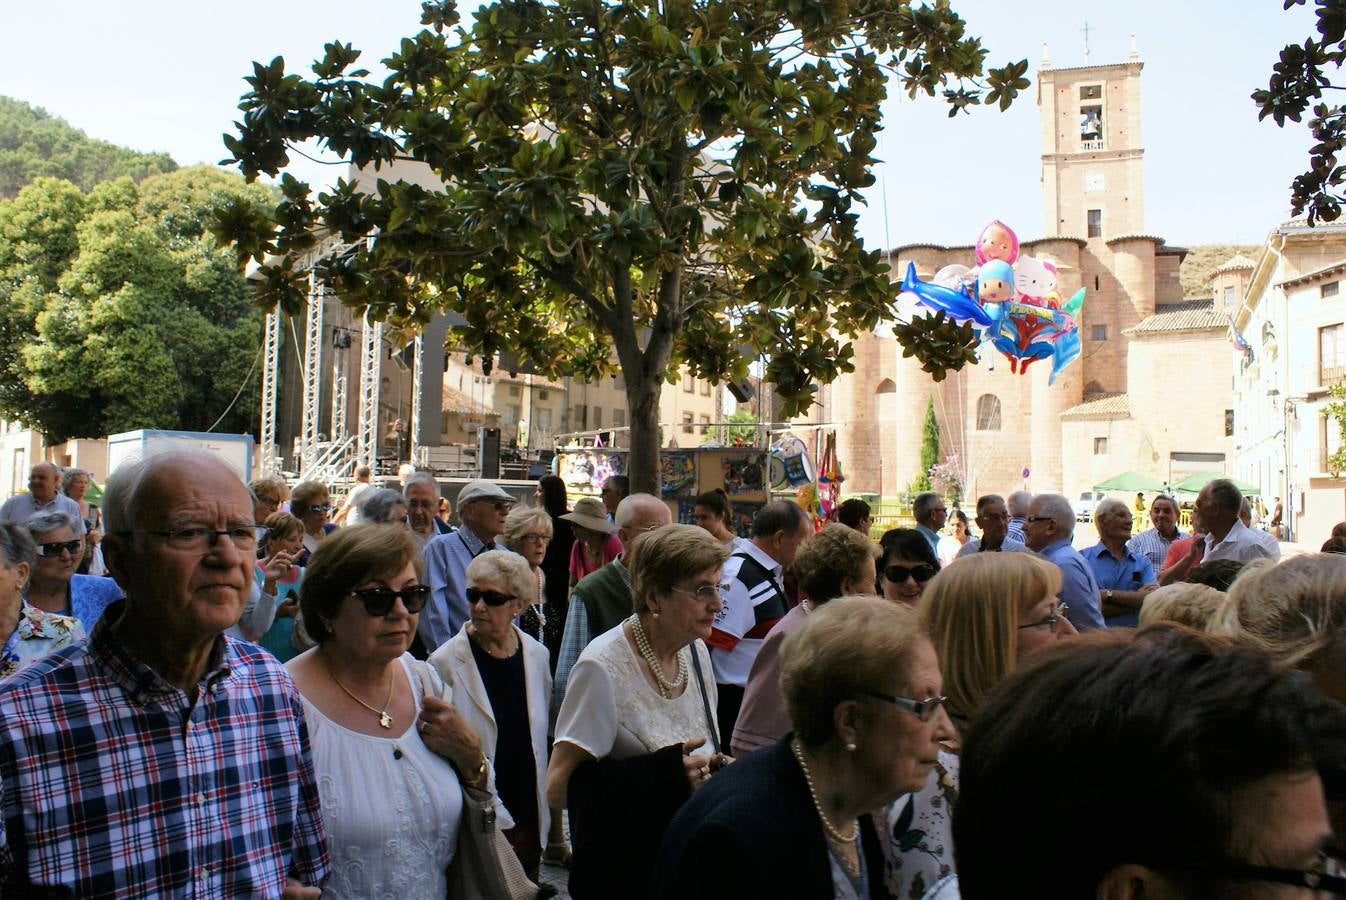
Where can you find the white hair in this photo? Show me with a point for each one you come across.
(1056, 508)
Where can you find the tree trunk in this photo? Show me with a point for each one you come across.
(642, 398)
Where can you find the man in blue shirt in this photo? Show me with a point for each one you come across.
(929, 511)
(1049, 528)
(1124, 576)
(482, 506)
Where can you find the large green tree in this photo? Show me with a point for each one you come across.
(118, 311)
(1298, 81)
(660, 183)
(35, 144)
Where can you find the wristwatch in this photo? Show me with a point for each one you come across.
(1107, 593)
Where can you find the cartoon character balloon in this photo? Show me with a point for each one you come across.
(1012, 298)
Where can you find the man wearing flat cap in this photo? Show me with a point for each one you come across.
(482, 507)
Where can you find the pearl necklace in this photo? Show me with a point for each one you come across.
(666, 687)
(831, 830)
(537, 607)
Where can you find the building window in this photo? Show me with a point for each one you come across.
(1098, 332)
(688, 383)
(1091, 92)
(1228, 423)
(1100, 446)
(1331, 289)
(1331, 354)
(581, 417)
(514, 390)
(543, 417)
(705, 389)
(705, 424)
(687, 423)
(1329, 441)
(1091, 122)
(988, 412)
(541, 395)
(886, 386)
(1095, 222)
(1228, 298)
(511, 415)
(598, 417)
(618, 417)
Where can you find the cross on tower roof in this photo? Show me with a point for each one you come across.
(1085, 29)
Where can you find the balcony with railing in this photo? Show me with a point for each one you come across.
(1331, 375)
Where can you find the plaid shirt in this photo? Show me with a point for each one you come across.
(1153, 546)
(115, 783)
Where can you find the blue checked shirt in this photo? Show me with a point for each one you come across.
(1153, 546)
(115, 783)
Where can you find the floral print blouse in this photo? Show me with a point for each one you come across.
(38, 634)
(917, 832)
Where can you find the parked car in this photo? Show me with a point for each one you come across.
(1084, 507)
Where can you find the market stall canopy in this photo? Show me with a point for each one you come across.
(1193, 483)
(1130, 481)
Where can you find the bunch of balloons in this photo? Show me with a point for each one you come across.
(1011, 298)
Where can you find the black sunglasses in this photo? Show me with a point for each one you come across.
(898, 573)
(55, 547)
(378, 601)
(490, 598)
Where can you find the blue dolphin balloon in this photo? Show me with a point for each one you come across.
(958, 305)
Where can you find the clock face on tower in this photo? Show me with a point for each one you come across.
(1093, 181)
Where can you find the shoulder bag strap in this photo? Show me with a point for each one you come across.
(705, 698)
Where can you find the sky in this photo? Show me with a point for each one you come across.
(166, 76)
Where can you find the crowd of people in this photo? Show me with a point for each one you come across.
(273, 695)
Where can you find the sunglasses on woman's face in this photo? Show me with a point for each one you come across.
(898, 573)
(490, 598)
(379, 601)
(55, 548)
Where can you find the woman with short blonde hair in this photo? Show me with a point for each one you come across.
(863, 688)
(1295, 612)
(1185, 603)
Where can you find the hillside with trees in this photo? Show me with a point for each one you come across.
(35, 144)
(1202, 259)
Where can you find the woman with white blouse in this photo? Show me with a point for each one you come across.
(384, 753)
(636, 731)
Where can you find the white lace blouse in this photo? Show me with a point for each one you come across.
(392, 823)
(611, 710)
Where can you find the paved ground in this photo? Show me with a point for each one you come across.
(556, 877)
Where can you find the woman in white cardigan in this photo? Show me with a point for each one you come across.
(501, 680)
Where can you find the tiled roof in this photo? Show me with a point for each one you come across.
(1236, 262)
(455, 401)
(1110, 406)
(1189, 315)
(1337, 266)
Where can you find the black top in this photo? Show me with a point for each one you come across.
(515, 767)
(752, 833)
(556, 566)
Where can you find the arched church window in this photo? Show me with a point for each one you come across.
(886, 386)
(988, 412)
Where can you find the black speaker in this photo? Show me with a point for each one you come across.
(488, 452)
(742, 391)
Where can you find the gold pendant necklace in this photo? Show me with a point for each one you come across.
(385, 720)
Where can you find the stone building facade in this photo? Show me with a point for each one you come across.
(1112, 409)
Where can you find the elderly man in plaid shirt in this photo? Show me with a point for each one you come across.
(162, 758)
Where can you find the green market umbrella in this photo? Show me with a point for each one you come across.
(1130, 482)
(1193, 483)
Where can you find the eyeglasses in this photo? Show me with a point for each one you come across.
(1324, 878)
(490, 598)
(56, 548)
(198, 539)
(269, 502)
(1032, 519)
(378, 601)
(922, 709)
(898, 573)
(1052, 621)
(536, 538)
(320, 507)
(705, 591)
(418, 504)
